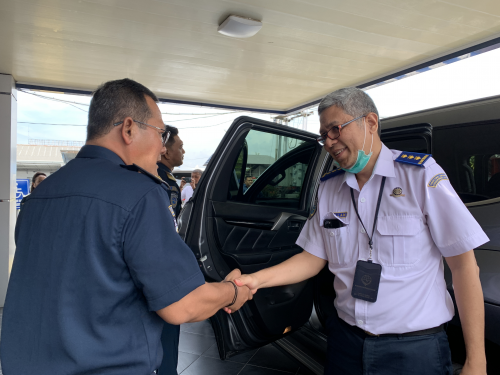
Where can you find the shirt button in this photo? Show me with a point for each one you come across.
(362, 230)
(360, 322)
(331, 234)
(362, 200)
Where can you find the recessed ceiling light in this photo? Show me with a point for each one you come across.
(239, 27)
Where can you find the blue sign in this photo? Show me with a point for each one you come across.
(23, 189)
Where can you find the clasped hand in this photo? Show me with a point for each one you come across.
(247, 286)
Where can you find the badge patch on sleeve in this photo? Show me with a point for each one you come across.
(434, 182)
(314, 208)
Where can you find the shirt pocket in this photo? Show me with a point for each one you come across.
(340, 250)
(398, 242)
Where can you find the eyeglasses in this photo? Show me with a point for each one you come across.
(164, 133)
(334, 132)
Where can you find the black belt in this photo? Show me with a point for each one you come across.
(422, 332)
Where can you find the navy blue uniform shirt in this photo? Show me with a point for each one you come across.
(97, 254)
(175, 193)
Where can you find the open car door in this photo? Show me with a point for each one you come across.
(247, 212)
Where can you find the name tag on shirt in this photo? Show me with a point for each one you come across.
(366, 281)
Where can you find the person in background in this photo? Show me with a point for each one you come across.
(37, 178)
(188, 190)
(248, 183)
(95, 281)
(171, 158)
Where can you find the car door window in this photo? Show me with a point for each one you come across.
(270, 170)
(470, 156)
(482, 176)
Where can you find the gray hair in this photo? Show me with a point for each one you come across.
(198, 171)
(353, 101)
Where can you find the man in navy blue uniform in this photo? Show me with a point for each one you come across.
(99, 265)
(172, 157)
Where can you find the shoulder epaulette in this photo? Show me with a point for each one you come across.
(413, 158)
(331, 174)
(136, 168)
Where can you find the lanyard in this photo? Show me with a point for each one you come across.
(370, 239)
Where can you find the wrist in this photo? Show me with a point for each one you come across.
(257, 276)
(477, 361)
(233, 293)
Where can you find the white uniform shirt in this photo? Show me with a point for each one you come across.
(186, 193)
(416, 227)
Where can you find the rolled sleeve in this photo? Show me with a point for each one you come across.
(162, 266)
(452, 226)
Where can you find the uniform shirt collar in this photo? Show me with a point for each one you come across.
(383, 167)
(98, 152)
(164, 167)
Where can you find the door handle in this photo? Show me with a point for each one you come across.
(287, 217)
(294, 225)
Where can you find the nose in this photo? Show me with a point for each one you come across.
(329, 143)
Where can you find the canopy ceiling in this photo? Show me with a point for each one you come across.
(305, 49)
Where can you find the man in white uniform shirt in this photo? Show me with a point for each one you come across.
(384, 221)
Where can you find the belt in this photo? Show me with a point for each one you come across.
(422, 332)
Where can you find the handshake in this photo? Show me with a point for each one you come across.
(246, 286)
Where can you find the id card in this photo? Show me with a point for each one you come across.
(366, 281)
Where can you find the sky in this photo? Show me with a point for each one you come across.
(202, 128)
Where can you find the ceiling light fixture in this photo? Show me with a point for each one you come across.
(239, 27)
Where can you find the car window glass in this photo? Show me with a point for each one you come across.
(270, 170)
(409, 144)
(470, 156)
(481, 176)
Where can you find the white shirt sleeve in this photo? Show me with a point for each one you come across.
(452, 226)
(310, 238)
(186, 193)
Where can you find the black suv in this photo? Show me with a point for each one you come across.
(228, 224)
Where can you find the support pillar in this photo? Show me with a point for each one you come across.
(8, 168)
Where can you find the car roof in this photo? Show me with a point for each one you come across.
(485, 109)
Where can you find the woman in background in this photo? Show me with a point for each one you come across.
(38, 177)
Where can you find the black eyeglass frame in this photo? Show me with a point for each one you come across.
(322, 138)
(165, 133)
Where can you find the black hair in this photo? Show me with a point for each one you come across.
(173, 132)
(115, 100)
(33, 179)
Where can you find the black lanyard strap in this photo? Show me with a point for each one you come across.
(370, 239)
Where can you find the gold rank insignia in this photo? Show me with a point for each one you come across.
(434, 182)
(397, 192)
(413, 158)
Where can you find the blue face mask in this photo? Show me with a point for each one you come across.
(362, 159)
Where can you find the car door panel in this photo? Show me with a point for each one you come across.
(250, 230)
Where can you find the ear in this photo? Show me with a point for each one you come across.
(166, 154)
(129, 130)
(372, 122)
